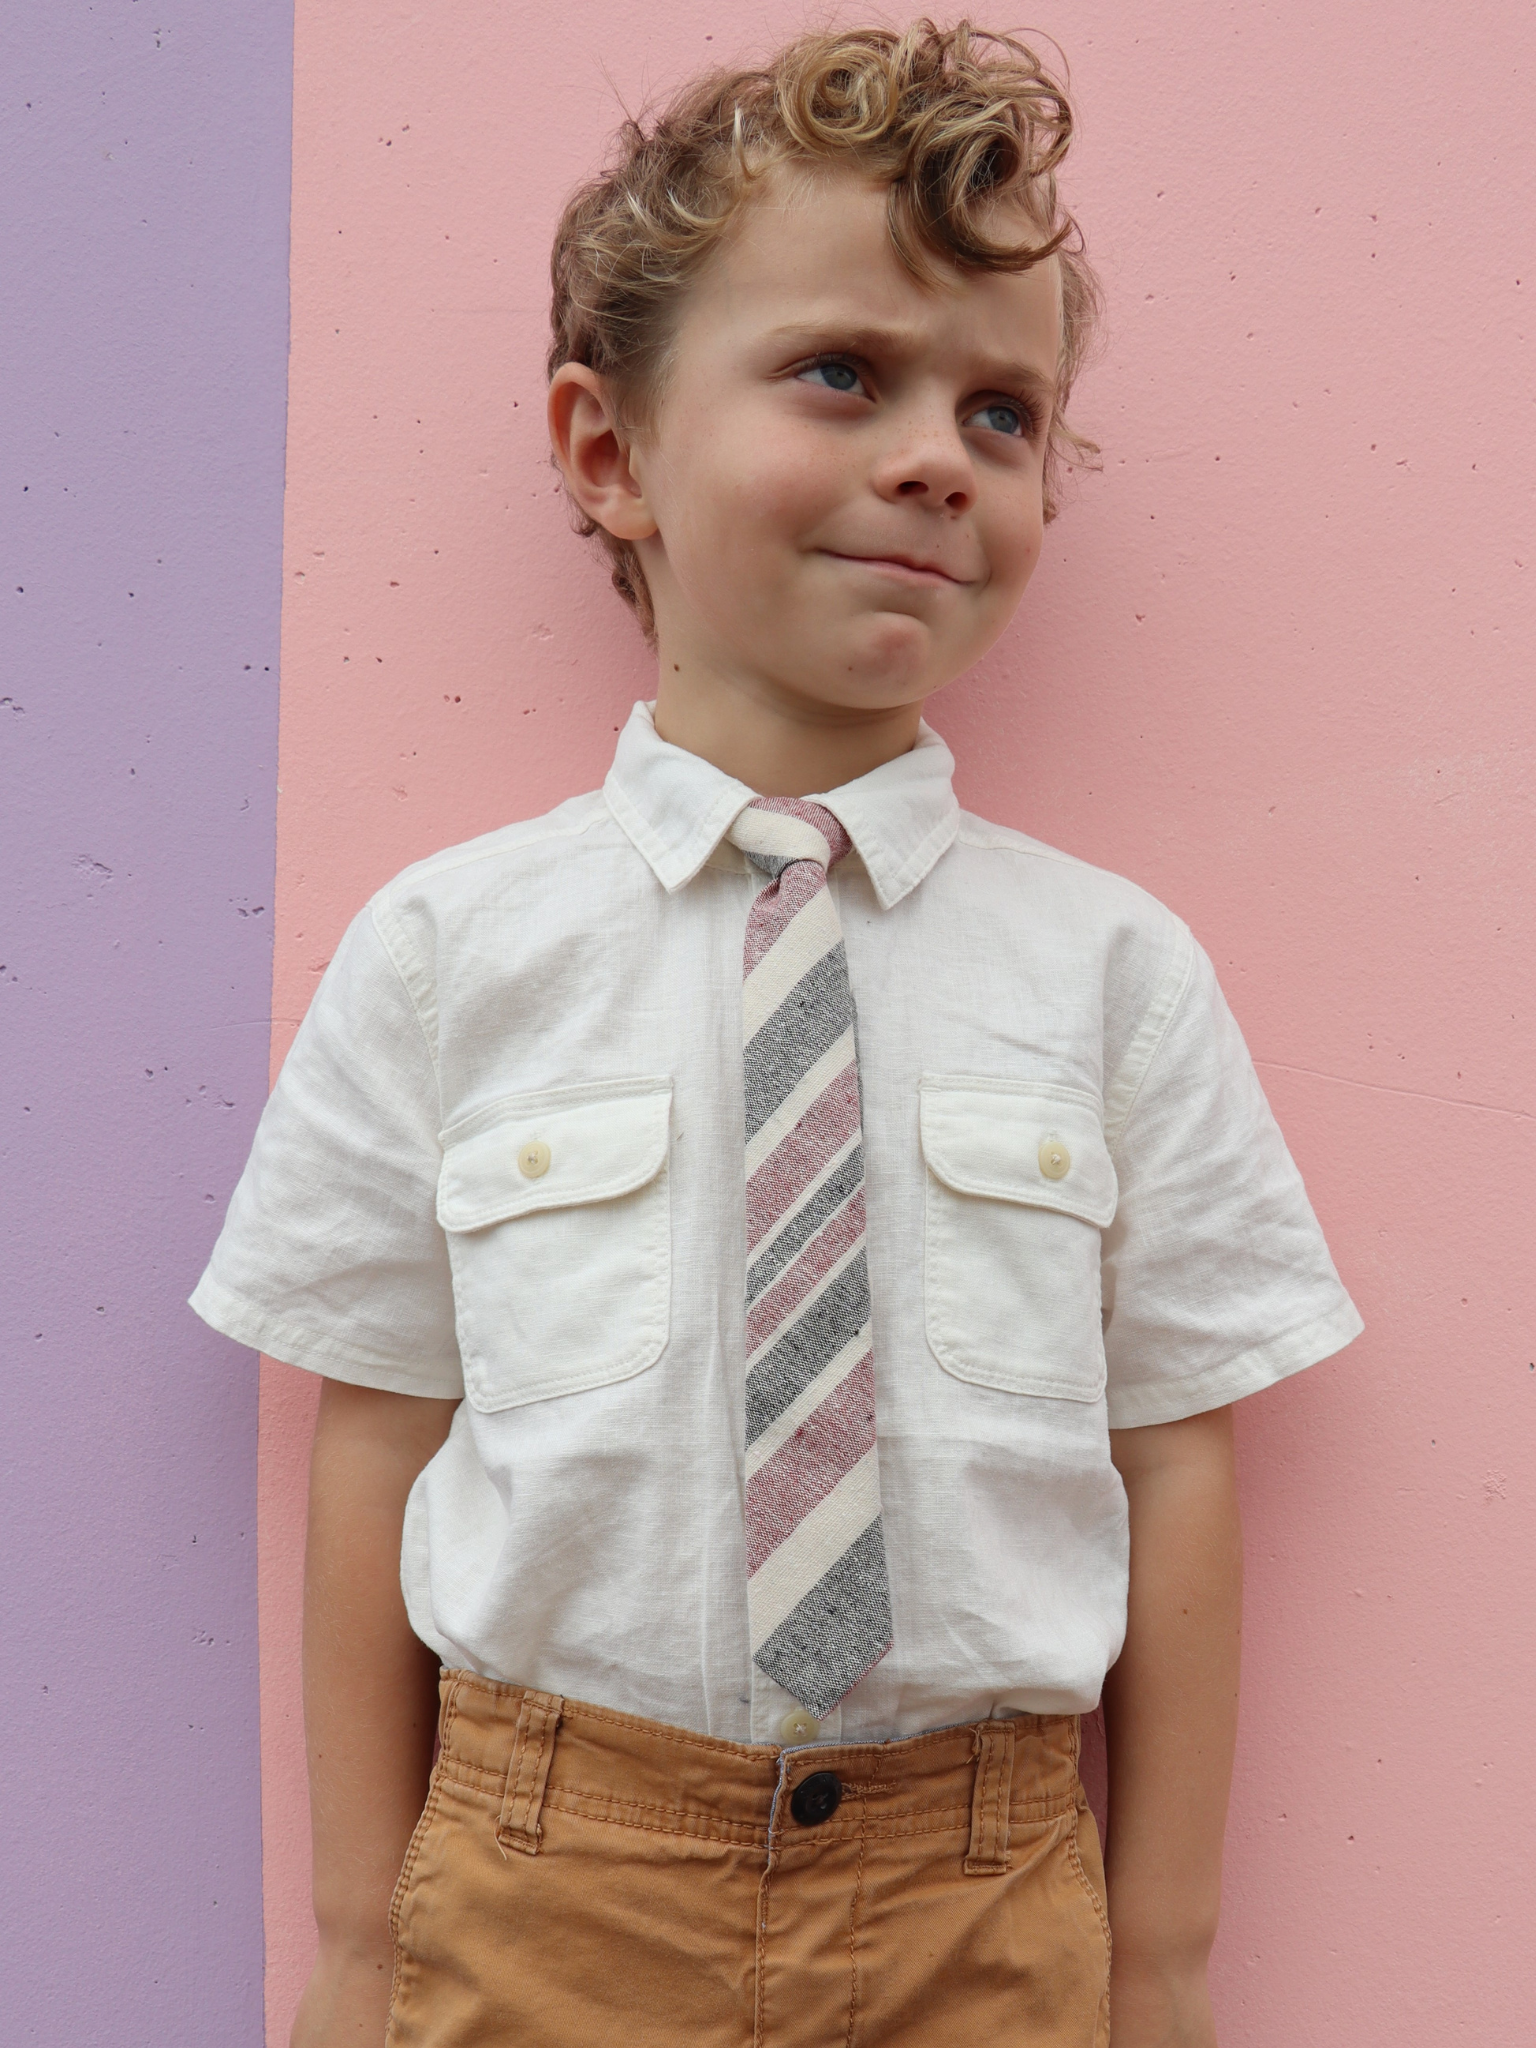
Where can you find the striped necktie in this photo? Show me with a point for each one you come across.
(818, 1601)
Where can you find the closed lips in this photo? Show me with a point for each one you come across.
(900, 565)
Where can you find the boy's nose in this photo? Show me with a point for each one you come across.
(955, 500)
(934, 468)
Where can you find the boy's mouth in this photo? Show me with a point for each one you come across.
(903, 568)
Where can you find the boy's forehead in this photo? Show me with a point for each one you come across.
(811, 251)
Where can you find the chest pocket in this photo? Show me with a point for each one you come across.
(557, 1210)
(1020, 1185)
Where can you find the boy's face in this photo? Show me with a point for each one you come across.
(842, 480)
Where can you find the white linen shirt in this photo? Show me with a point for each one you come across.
(565, 995)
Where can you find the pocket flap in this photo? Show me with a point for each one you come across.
(1019, 1141)
(587, 1144)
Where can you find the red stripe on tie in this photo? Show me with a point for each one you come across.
(838, 1234)
(775, 908)
(778, 1184)
(806, 1467)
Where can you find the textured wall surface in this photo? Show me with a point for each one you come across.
(144, 314)
(1275, 666)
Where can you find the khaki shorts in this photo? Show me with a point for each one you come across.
(581, 1878)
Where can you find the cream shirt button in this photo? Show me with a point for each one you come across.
(533, 1159)
(799, 1726)
(1055, 1159)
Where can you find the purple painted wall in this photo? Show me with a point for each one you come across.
(142, 377)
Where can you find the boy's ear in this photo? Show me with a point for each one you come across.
(594, 453)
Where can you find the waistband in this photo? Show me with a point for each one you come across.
(536, 1750)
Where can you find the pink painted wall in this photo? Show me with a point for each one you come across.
(1275, 666)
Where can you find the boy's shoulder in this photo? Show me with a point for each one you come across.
(1046, 877)
(485, 859)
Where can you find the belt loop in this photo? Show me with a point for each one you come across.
(528, 1772)
(993, 1750)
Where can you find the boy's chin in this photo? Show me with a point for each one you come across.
(882, 657)
(868, 661)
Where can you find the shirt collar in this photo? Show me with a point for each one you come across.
(677, 807)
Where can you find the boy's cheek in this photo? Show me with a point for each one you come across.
(751, 485)
(1013, 539)
(762, 524)
(795, 482)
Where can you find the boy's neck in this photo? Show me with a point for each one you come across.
(776, 742)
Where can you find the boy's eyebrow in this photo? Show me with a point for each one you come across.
(863, 338)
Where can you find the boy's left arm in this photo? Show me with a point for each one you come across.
(1170, 1709)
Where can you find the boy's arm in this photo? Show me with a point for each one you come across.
(1171, 1722)
(370, 1697)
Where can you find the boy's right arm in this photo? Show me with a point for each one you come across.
(370, 1698)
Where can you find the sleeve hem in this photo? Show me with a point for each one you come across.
(1152, 1401)
(233, 1316)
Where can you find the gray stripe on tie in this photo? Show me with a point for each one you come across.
(814, 1015)
(775, 863)
(812, 1341)
(803, 1226)
(837, 1632)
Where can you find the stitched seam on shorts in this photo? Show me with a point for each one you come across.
(407, 1870)
(853, 1954)
(742, 1833)
(1101, 2030)
(418, 1836)
(878, 1831)
(478, 1777)
(759, 1999)
(1094, 1899)
(1042, 1809)
(1022, 1811)
(721, 1831)
(916, 1821)
(616, 1799)
(936, 1821)
(1101, 2037)
(569, 1797)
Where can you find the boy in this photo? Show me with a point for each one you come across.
(776, 1244)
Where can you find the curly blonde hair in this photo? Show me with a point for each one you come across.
(954, 122)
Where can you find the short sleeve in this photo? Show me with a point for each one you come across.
(331, 1256)
(1217, 1281)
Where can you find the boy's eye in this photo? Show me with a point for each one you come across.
(1002, 418)
(834, 376)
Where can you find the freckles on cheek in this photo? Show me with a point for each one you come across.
(1021, 548)
(798, 475)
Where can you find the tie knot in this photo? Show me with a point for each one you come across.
(776, 831)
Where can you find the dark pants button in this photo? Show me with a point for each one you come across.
(816, 1798)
